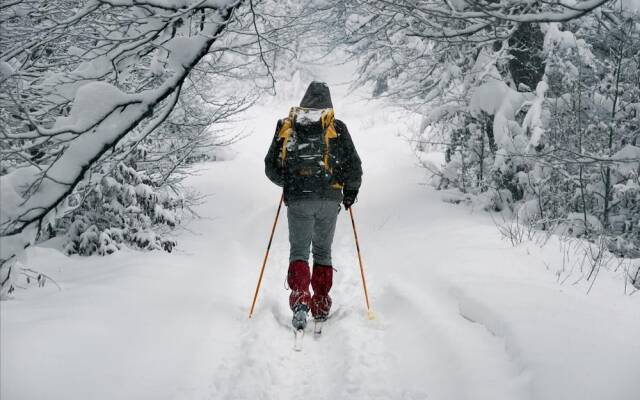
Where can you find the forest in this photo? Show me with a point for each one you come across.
(498, 220)
(105, 103)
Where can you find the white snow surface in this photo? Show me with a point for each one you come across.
(460, 314)
(631, 5)
(630, 156)
(496, 98)
(93, 102)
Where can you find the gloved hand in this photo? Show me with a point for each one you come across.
(349, 197)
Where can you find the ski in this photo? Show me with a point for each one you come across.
(298, 335)
(317, 327)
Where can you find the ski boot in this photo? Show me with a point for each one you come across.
(299, 320)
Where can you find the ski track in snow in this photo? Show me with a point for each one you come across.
(448, 357)
(443, 289)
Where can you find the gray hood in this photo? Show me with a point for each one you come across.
(317, 96)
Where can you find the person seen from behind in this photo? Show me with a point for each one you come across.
(314, 160)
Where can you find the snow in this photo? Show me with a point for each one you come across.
(460, 314)
(5, 69)
(631, 5)
(575, 221)
(496, 98)
(485, 67)
(554, 38)
(12, 187)
(144, 190)
(92, 103)
(630, 160)
(533, 119)
(489, 96)
(182, 50)
(164, 215)
(529, 211)
(309, 116)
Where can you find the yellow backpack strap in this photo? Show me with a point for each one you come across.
(327, 120)
(328, 125)
(285, 132)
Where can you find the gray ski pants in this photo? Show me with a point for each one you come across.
(312, 223)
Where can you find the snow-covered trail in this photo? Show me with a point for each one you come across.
(357, 358)
(459, 313)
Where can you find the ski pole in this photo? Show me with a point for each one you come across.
(266, 255)
(364, 282)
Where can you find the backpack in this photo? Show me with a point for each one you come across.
(307, 135)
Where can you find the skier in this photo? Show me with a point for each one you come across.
(314, 160)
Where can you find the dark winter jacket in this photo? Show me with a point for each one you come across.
(344, 160)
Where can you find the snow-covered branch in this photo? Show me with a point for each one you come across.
(107, 102)
(98, 114)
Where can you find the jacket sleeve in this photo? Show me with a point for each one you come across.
(272, 167)
(351, 168)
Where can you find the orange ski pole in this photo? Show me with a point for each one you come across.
(266, 255)
(364, 282)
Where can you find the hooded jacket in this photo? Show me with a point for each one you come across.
(347, 168)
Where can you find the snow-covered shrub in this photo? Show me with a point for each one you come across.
(567, 153)
(84, 83)
(594, 75)
(535, 117)
(125, 207)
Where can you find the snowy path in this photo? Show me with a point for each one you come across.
(459, 314)
(386, 358)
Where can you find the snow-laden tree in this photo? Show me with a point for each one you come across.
(535, 103)
(103, 103)
(124, 208)
(594, 120)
